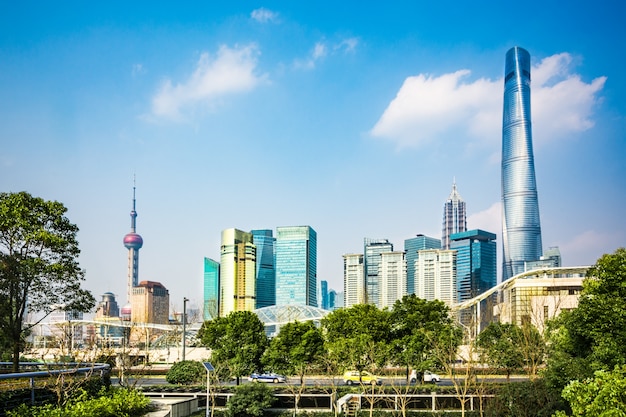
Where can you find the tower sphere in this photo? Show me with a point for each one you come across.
(133, 241)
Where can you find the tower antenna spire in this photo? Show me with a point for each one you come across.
(133, 242)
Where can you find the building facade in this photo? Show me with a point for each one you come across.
(392, 278)
(237, 272)
(435, 275)
(411, 248)
(353, 279)
(265, 270)
(296, 266)
(150, 303)
(211, 299)
(454, 217)
(476, 269)
(521, 228)
(541, 295)
(324, 294)
(372, 258)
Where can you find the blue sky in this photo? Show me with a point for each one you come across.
(351, 118)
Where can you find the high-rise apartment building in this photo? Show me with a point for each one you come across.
(392, 278)
(411, 248)
(296, 266)
(211, 299)
(521, 229)
(435, 275)
(353, 279)
(265, 271)
(372, 250)
(237, 272)
(454, 217)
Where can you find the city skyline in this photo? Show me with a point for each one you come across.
(350, 118)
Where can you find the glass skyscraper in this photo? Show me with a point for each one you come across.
(296, 266)
(521, 229)
(265, 272)
(454, 217)
(211, 300)
(372, 258)
(411, 246)
(475, 263)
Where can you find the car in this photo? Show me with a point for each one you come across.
(364, 377)
(428, 377)
(267, 377)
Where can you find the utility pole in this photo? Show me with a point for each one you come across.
(184, 324)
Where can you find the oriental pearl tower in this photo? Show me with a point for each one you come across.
(133, 242)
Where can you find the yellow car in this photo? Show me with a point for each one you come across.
(354, 377)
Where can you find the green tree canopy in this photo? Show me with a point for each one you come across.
(604, 395)
(417, 327)
(358, 337)
(297, 346)
(38, 264)
(237, 341)
(501, 346)
(592, 336)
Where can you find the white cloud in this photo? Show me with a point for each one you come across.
(586, 247)
(321, 50)
(264, 15)
(489, 220)
(429, 108)
(138, 69)
(231, 71)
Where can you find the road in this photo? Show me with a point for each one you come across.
(320, 380)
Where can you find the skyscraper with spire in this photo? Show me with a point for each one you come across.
(454, 217)
(521, 229)
(133, 242)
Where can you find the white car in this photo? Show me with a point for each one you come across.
(428, 377)
(267, 377)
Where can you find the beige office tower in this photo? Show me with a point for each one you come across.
(237, 272)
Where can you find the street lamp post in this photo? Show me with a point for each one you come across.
(209, 368)
(184, 324)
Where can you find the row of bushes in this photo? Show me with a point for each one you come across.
(112, 402)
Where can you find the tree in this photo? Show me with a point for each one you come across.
(604, 395)
(592, 336)
(415, 322)
(500, 346)
(39, 268)
(237, 341)
(358, 337)
(297, 346)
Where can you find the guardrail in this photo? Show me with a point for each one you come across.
(52, 369)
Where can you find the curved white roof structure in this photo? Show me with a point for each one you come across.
(278, 315)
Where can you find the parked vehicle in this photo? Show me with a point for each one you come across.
(364, 377)
(267, 377)
(428, 377)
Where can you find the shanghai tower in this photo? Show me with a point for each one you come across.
(521, 229)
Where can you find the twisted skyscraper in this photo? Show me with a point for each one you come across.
(521, 229)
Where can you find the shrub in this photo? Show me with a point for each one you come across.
(250, 400)
(111, 403)
(186, 372)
